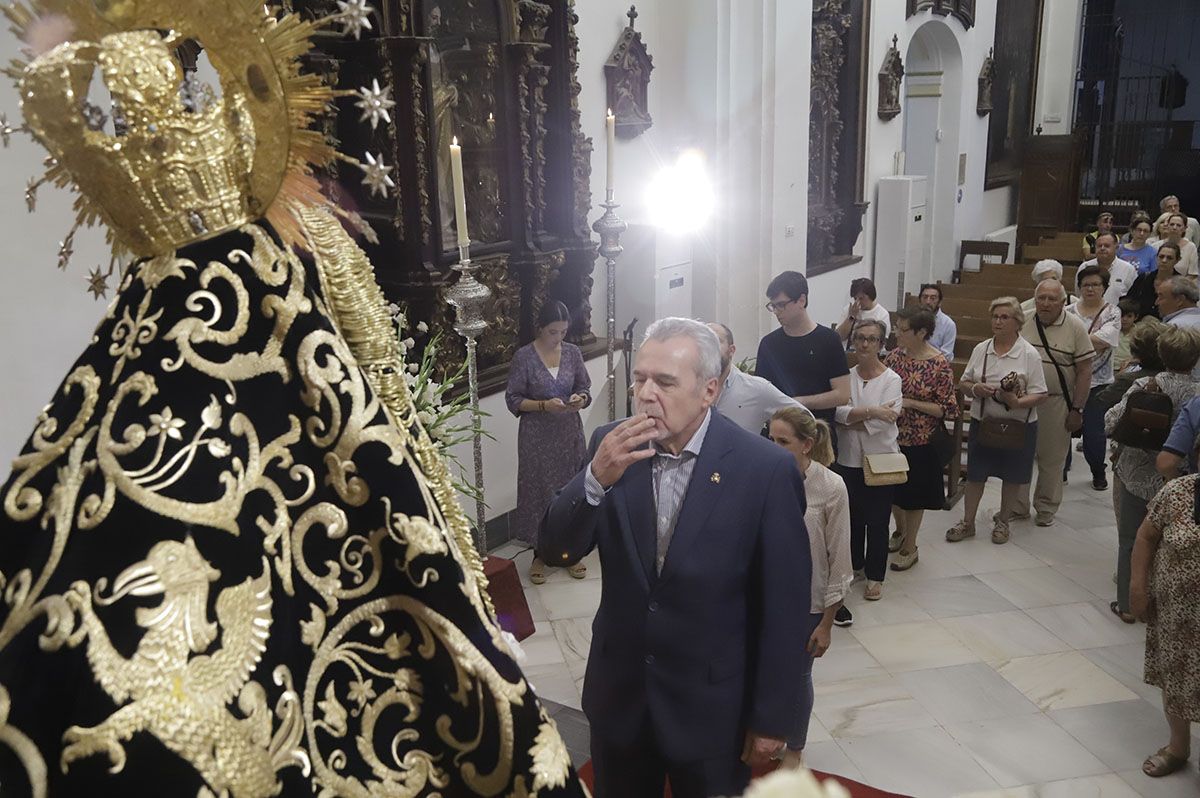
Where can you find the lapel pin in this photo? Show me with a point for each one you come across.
(716, 478)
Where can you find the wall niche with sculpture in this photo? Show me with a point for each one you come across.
(500, 77)
(837, 132)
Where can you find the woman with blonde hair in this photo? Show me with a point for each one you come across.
(828, 521)
(1005, 381)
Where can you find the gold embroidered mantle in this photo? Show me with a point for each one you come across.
(227, 564)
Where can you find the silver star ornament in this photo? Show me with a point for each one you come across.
(374, 103)
(97, 283)
(6, 130)
(354, 16)
(376, 175)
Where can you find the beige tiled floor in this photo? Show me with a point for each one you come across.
(988, 671)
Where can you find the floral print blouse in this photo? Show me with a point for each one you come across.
(926, 381)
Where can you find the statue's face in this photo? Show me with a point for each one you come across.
(435, 20)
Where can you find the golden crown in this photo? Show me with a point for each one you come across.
(176, 167)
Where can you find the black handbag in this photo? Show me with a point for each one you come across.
(1147, 418)
(942, 443)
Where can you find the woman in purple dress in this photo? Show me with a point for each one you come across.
(547, 387)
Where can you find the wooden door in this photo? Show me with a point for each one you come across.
(1048, 189)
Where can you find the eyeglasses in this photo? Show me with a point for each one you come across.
(1002, 317)
(1092, 285)
(866, 339)
(776, 306)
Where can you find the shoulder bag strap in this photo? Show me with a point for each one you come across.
(1096, 320)
(1061, 379)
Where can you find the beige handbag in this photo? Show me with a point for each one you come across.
(885, 469)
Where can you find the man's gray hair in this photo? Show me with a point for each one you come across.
(708, 367)
(1184, 287)
(1162, 203)
(1048, 265)
(1062, 288)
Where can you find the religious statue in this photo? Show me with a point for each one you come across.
(891, 77)
(232, 562)
(627, 72)
(987, 79)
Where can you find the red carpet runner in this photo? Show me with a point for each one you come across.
(856, 789)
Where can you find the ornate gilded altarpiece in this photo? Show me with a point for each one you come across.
(837, 132)
(1015, 58)
(500, 76)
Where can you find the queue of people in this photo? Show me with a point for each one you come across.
(860, 412)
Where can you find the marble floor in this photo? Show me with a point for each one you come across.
(986, 670)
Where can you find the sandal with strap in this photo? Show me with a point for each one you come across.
(960, 531)
(1163, 763)
(577, 571)
(537, 571)
(895, 542)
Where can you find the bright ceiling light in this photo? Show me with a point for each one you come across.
(680, 198)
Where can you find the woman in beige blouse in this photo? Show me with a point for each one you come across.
(1004, 379)
(828, 521)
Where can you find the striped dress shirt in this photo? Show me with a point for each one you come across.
(672, 475)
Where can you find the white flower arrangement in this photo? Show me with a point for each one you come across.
(794, 784)
(447, 420)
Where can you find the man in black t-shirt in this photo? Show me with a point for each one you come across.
(803, 359)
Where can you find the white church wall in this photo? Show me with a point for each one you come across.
(964, 55)
(46, 315)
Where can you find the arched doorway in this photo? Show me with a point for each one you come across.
(932, 117)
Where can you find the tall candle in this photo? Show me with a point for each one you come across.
(610, 125)
(460, 193)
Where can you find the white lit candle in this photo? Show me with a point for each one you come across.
(610, 126)
(460, 193)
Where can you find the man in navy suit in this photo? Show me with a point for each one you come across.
(706, 564)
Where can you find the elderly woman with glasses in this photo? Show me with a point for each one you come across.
(867, 426)
(1103, 322)
(1005, 380)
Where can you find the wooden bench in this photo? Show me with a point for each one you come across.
(956, 307)
(1032, 253)
(988, 291)
(1014, 276)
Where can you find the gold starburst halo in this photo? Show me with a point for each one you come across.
(194, 175)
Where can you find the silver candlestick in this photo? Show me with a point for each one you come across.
(468, 297)
(610, 226)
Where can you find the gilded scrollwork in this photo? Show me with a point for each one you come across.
(358, 663)
(131, 438)
(231, 494)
